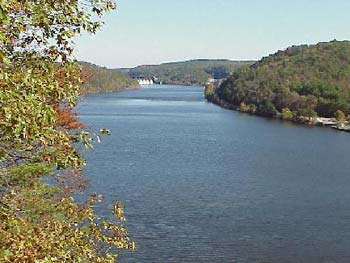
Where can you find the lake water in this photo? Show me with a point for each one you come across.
(204, 184)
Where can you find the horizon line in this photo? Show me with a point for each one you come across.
(172, 61)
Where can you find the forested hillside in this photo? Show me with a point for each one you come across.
(101, 79)
(194, 72)
(299, 81)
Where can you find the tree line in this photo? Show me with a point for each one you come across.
(100, 79)
(193, 72)
(301, 81)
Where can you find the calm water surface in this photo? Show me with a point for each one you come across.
(204, 184)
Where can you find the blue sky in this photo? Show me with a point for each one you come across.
(155, 31)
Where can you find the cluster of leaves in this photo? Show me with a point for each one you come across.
(306, 80)
(101, 79)
(209, 90)
(41, 138)
(194, 72)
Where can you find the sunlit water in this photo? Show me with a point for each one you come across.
(204, 184)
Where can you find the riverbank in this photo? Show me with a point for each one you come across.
(96, 91)
(311, 121)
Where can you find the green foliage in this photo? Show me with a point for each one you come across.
(41, 138)
(104, 131)
(287, 114)
(340, 116)
(267, 109)
(252, 109)
(209, 90)
(101, 79)
(194, 72)
(307, 112)
(305, 79)
(247, 108)
(243, 107)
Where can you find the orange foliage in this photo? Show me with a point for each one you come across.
(67, 119)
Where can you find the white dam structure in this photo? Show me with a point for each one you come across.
(145, 81)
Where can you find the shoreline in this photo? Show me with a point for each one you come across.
(111, 91)
(298, 120)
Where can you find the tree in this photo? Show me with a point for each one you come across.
(267, 109)
(209, 90)
(40, 137)
(243, 107)
(340, 116)
(287, 114)
(309, 113)
(251, 108)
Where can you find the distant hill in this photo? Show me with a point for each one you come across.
(193, 72)
(299, 81)
(101, 79)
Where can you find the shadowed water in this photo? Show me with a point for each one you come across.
(204, 184)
